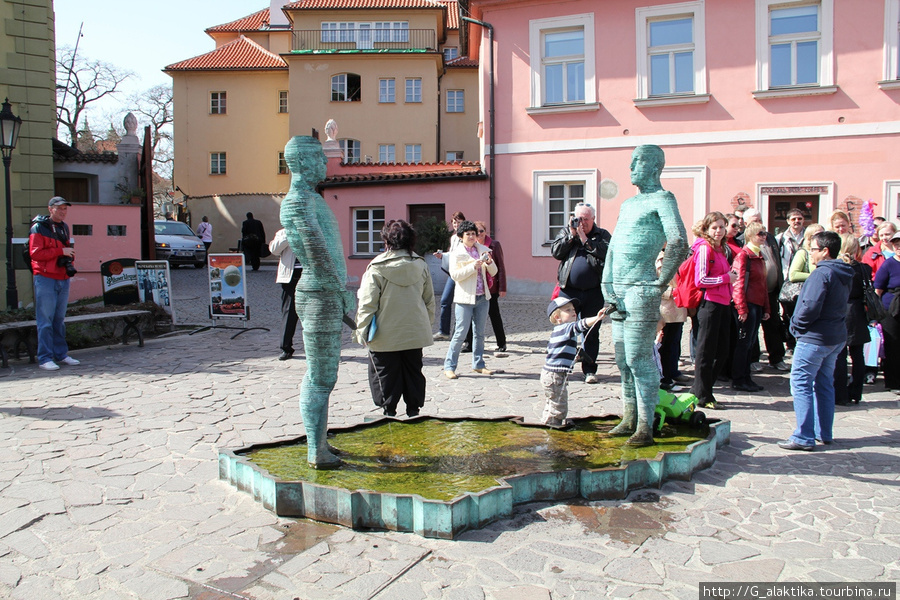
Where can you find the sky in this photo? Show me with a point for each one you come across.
(144, 37)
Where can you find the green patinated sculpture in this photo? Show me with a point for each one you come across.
(647, 222)
(322, 299)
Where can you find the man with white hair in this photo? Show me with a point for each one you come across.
(773, 328)
(581, 249)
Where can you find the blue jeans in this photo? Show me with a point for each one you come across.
(476, 314)
(447, 305)
(51, 297)
(812, 386)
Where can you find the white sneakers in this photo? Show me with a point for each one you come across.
(52, 366)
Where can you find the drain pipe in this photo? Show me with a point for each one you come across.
(491, 154)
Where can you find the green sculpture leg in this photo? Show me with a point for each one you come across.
(320, 313)
(633, 342)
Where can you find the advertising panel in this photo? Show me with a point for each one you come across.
(227, 286)
(119, 279)
(154, 284)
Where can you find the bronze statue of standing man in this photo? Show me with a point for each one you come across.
(648, 222)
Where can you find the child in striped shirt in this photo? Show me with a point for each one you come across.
(561, 351)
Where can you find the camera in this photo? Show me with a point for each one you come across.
(66, 261)
(575, 222)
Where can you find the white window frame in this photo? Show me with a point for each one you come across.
(218, 163)
(282, 164)
(453, 155)
(388, 95)
(891, 199)
(218, 103)
(375, 243)
(450, 53)
(391, 31)
(536, 28)
(826, 50)
(282, 101)
(412, 153)
(891, 75)
(541, 181)
(351, 150)
(458, 102)
(643, 17)
(387, 153)
(416, 92)
(342, 80)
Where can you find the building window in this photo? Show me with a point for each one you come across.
(672, 50)
(351, 150)
(555, 195)
(454, 155)
(562, 61)
(82, 230)
(386, 90)
(414, 90)
(115, 230)
(346, 87)
(282, 164)
(217, 163)
(891, 40)
(339, 32)
(450, 52)
(794, 44)
(282, 101)
(392, 31)
(386, 153)
(413, 153)
(456, 101)
(217, 103)
(367, 226)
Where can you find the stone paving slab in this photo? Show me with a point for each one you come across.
(109, 489)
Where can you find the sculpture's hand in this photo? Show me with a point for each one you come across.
(349, 301)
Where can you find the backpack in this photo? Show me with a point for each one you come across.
(686, 293)
(26, 254)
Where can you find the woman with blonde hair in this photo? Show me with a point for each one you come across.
(840, 222)
(882, 249)
(797, 273)
(713, 275)
(857, 327)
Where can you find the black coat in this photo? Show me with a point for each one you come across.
(857, 321)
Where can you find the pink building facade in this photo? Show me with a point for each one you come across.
(772, 104)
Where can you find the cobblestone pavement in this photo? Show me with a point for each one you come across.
(109, 489)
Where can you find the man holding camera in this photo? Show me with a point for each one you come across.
(581, 249)
(52, 258)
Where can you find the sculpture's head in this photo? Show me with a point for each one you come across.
(647, 163)
(304, 157)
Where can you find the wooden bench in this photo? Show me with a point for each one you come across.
(21, 330)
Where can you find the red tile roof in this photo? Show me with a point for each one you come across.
(255, 22)
(462, 61)
(354, 4)
(241, 54)
(452, 13)
(359, 173)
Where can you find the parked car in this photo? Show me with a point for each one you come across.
(176, 243)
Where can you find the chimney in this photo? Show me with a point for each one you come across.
(277, 18)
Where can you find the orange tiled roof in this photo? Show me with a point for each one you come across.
(357, 173)
(242, 54)
(255, 22)
(354, 4)
(462, 61)
(452, 13)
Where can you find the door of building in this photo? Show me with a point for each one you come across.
(780, 205)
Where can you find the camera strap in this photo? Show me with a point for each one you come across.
(61, 230)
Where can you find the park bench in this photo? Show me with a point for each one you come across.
(21, 331)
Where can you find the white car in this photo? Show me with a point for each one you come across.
(176, 243)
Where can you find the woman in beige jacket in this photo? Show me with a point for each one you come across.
(470, 264)
(396, 309)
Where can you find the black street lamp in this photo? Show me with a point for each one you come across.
(9, 135)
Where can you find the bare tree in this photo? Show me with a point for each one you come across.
(79, 83)
(155, 105)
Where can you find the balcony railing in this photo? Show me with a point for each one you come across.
(364, 40)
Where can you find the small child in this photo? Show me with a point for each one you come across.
(561, 351)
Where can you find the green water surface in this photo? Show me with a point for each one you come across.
(440, 460)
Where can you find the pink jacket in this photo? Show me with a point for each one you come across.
(711, 272)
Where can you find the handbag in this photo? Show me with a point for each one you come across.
(874, 307)
(790, 291)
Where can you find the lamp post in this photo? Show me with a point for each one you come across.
(9, 135)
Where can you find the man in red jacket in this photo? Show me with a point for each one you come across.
(52, 258)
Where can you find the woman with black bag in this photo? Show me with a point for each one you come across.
(857, 327)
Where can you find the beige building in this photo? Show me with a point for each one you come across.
(28, 80)
(386, 71)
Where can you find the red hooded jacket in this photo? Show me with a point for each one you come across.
(45, 245)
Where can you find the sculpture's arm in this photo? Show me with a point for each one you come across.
(676, 238)
(606, 283)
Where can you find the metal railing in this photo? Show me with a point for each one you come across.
(365, 40)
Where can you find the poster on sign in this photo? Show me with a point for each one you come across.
(119, 282)
(227, 286)
(154, 284)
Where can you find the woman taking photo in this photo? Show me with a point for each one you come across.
(396, 309)
(887, 282)
(470, 265)
(857, 328)
(714, 276)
